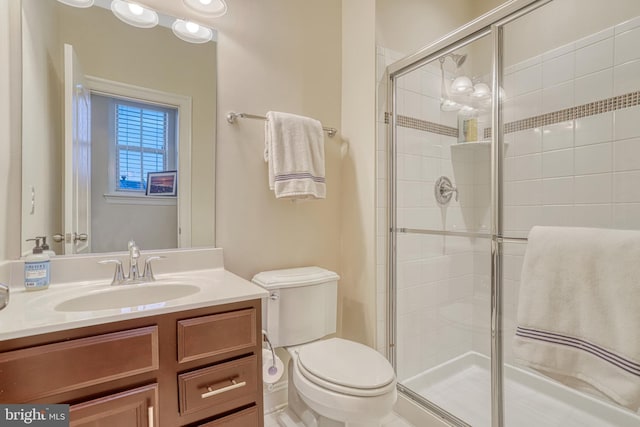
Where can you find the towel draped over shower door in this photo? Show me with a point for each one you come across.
(579, 310)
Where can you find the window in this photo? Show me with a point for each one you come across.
(145, 142)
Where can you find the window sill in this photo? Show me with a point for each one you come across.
(139, 199)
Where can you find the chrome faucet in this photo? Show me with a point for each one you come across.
(134, 276)
(134, 254)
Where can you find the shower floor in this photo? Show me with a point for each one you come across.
(462, 387)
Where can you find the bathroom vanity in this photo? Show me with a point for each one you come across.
(190, 361)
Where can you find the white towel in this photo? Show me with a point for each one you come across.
(579, 310)
(294, 149)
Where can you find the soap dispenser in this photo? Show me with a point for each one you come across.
(45, 247)
(36, 268)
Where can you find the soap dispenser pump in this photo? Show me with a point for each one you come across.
(45, 247)
(36, 268)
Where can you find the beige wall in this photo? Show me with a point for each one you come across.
(359, 162)
(407, 25)
(10, 117)
(281, 55)
(480, 7)
(42, 124)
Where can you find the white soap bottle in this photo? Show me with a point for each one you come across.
(36, 269)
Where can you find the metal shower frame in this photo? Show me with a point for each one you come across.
(489, 24)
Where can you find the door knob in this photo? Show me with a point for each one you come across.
(82, 237)
(77, 237)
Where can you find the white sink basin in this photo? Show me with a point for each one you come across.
(122, 296)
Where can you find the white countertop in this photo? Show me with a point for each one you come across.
(33, 313)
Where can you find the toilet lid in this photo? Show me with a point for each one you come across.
(346, 363)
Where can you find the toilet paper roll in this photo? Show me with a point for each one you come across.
(271, 373)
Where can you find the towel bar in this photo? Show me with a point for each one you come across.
(233, 116)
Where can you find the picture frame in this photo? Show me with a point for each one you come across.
(163, 183)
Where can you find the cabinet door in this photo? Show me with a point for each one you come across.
(131, 408)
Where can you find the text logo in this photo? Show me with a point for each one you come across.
(34, 415)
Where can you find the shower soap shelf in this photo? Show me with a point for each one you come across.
(476, 145)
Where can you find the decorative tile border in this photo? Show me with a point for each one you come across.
(631, 99)
(418, 124)
(627, 100)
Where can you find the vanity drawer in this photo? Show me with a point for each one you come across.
(36, 372)
(225, 386)
(245, 418)
(216, 334)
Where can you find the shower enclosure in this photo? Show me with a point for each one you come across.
(529, 115)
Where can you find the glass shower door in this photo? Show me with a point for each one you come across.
(442, 217)
(571, 111)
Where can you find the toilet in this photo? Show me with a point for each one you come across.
(332, 381)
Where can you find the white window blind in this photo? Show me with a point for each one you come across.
(142, 144)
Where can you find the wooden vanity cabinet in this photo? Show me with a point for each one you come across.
(188, 368)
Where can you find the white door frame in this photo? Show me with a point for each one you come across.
(77, 155)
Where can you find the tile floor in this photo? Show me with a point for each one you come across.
(284, 419)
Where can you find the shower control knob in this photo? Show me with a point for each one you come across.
(444, 190)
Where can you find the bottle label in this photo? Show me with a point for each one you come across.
(36, 274)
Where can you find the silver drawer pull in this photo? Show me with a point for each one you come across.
(233, 386)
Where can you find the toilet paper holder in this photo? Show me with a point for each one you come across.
(272, 369)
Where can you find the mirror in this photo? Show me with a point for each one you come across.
(121, 63)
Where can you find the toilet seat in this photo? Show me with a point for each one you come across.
(346, 367)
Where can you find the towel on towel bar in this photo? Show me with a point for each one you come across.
(579, 310)
(294, 149)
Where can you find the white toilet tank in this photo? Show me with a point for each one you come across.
(301, 305)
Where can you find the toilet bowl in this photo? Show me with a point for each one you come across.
(344, 381)
(332, 381)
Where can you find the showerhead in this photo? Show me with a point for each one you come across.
(457, 58)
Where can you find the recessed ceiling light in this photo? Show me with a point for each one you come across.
(191, 32)
(209, 8)
(78, 3)
(134, 14)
